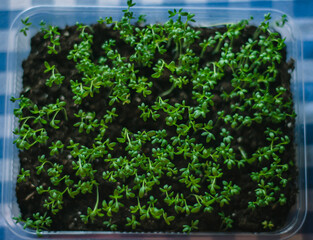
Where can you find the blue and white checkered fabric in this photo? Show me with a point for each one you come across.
(301, 11)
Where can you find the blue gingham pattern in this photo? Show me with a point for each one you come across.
(301, 11)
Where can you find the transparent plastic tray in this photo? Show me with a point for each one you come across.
(19, 46)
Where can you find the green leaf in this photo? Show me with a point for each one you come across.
(171, 66)
(196, 209)
(141, 191)
(156, 74)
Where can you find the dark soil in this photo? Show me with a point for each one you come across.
(69, 217)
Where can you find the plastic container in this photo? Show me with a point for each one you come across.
(19, 46)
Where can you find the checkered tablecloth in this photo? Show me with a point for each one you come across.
(301, 11)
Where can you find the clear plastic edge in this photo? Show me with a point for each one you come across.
(8, 186)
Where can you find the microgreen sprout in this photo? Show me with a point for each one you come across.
(268, 225)
(23, 176)
(39, 222)
(51, 32)
(191, 227)
(26, 24)
(55, 77)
